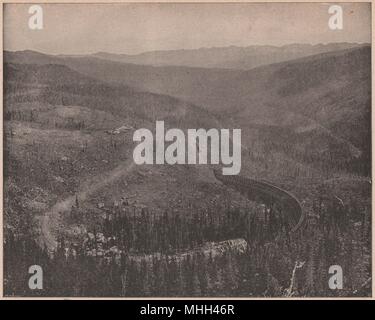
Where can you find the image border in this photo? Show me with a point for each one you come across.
(50, 2)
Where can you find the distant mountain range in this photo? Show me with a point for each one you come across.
(310, 103)
(225, 57)
(231, 57)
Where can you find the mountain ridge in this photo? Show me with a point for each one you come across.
(231, 57)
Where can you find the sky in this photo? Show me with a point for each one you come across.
(136, 28)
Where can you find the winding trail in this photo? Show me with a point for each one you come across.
(51, 217)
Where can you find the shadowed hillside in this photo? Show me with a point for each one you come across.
(58, 84)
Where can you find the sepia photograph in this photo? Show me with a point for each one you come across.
(187, 150)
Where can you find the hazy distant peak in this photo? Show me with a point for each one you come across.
(230, 57)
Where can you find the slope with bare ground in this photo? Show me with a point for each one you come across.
(58, 139)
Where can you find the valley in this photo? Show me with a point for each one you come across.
(75, 200)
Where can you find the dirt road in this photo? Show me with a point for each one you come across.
(50, 219)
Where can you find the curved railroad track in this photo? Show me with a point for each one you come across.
(261, 192)
(269, 195)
